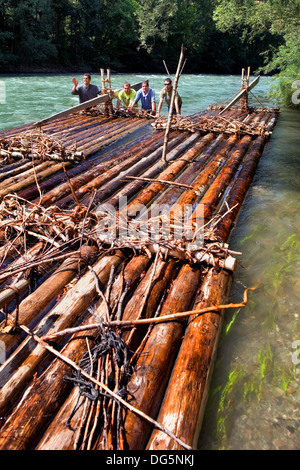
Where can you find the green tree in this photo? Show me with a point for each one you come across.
(25, 29)
(154, 19)
(165, 25)
(117, 43)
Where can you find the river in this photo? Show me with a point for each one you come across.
(255, 388)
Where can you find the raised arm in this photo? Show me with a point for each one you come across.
(75, 84)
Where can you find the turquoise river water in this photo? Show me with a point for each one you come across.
(255, 389)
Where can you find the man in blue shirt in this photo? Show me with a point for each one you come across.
(147, 97)
(86, 91)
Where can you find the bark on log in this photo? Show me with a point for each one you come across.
(215, 191)
(239, 189)
(31, 307)
(45, 395)
(68, 310)
(98, 175)
(152, 190)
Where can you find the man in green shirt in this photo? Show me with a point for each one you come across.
(125, 96)
(166, 93)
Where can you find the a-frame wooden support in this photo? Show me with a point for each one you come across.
(107, 90)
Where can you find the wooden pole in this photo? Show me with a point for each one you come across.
(132, 188)
(179, 67)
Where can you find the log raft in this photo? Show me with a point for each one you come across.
(111, 310)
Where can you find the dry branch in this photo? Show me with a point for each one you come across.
(148, 321)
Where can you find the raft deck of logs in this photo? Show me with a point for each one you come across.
(108, 341)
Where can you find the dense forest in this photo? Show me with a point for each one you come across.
(220, 36)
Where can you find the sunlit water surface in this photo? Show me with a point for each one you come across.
(254, 397)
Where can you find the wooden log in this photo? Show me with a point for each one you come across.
(67, 311)
(9, 293)
(98, 175)
(184, 402)
(170, 195)
(152, 190)
(152, 369)
(113, 138)
(201, 336)
(44, 396)
(76, 121)
(57, 436)
(32, 179)
(106, 127)
(87, 104)
(241, 94)
(205, 178)
(69, 127)
(77, 128)
(159, 168)
(84, 137)
(106, 159)
(17, 264)
(239, 189)
(22, 128)
(213, 194)
(25, 174)
(175, 84)
(111, 186)
(100, 135)
(145, 301)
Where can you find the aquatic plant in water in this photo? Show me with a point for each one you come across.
(244, 383)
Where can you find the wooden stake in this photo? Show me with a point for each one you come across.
(179, 67)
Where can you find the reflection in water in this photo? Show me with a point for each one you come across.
(255, 389)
